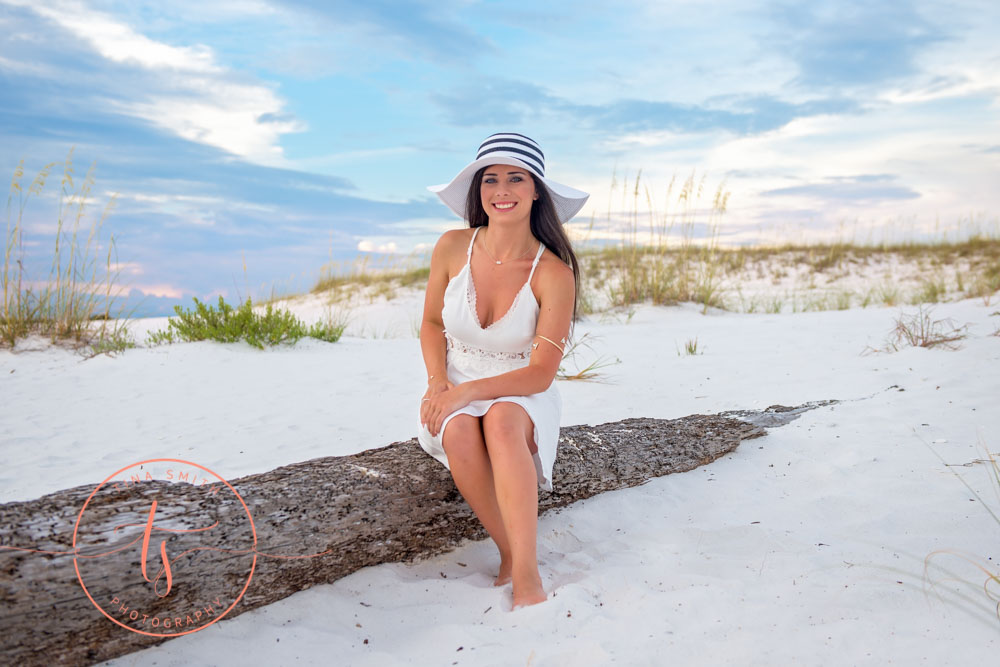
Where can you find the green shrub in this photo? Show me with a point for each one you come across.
(228, 325)
(111, 341)
(329, 331)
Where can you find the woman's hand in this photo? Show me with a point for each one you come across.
(442, 398)
(434, 387)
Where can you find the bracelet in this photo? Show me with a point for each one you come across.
(535, 345)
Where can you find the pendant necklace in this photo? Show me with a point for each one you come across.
(497, 260)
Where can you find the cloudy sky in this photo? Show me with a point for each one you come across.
(281, 134)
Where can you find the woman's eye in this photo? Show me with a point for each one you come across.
(489, 179)
(516, 179)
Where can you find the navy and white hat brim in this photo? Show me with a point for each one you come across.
(568, 201)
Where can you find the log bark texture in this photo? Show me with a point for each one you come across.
(394, 503)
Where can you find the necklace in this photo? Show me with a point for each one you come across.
(506, 260)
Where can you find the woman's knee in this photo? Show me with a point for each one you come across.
(507, 423)
(462, 435)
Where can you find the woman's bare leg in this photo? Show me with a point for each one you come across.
(473, 474)
(509, 435)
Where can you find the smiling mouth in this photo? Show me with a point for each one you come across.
(504, 206)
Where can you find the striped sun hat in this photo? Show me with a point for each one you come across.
(519, 151)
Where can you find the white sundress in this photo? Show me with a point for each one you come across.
(474, 352)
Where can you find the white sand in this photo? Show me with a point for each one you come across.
(806, 546)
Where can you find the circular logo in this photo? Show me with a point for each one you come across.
(164, 547)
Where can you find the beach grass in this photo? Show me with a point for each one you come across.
(672, 253)
(690, 347)
(990, 586)
(782, 279)
(372, 276)
(657, 258)
(834, 276)
(919, 329)
(591, 370)
(226, 324)
(74, 303)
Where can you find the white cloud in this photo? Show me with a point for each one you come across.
(320, 162)
(373, 246)
(119, 43)
(180, 202)
(959, 81)
(128, 268)
(922, 149)
(230, 123)
(940, 153)
(158, 289)
(202, 100)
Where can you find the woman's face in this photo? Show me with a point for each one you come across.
(507, 192)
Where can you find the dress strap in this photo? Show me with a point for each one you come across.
(541, 248)
(468, 253)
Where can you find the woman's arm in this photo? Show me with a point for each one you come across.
(432, 341)
(556, 291)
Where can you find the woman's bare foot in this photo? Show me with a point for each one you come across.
(528, 590)
(503, 578)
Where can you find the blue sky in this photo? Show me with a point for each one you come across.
(281, 134)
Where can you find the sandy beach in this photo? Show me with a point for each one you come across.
(806, 546)
(766, 209)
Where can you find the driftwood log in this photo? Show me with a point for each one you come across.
(390, 504)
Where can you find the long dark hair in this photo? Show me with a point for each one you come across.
(545, 225)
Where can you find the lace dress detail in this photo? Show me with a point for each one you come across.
(481, 362)
(474, 352)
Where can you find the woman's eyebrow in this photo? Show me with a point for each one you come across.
(493, 173)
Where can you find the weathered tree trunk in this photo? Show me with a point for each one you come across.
(394, 503)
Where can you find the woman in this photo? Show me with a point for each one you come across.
(497, 316)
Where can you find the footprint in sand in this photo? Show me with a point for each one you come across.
(563, 542)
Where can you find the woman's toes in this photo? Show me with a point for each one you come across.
(528, 591)
(529, 599)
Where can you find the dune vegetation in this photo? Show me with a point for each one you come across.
(675, 254)
(75, 303)
(638, 253)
